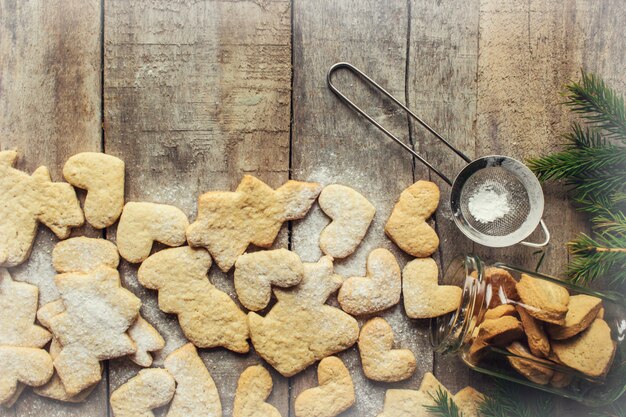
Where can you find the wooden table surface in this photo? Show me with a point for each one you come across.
(193, 94)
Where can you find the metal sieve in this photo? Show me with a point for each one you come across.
(505, 176)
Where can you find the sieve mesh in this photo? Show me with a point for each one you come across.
(503, 182)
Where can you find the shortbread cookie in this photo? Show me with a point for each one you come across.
(102, 176)
(590, 353)
(301, 329)
(407, 225)
(149, 389)
(18, 307)
(142, 224)
(500, 311)
(207, 316)
(54, 388)
(29, 366)
(48, 311)
(98, 312)
(147, 339)
(378, 290)
(537, 339)
(380, 361)
(82, 254)
(543, 300)
(253, 388)
(561, 379)
(228, 222)
(468, 400)
(333, 396)
(196, 393)
(412, 403)
(28, 200)
(532, 368)
(423, 297)
(16, 396)
(501, 331)
(351, 216)
(256, 272)
(582, 310)
(501, 286)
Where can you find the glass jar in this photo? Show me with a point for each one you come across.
(536, 330)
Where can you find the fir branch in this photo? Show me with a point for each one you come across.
(575, 162)
(508, 400)
(604, 256)
(598, 104)
(615, 410)
(444, 405)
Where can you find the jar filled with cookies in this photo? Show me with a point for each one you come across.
(536, 330)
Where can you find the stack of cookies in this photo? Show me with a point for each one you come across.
(549, 335)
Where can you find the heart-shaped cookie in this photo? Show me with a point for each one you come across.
(380, 361)
(253, 388)
(423, 297)
(377, 291)
(407, 225)
(591, 352)
(333, 396)
(351, 214)
(256, 272)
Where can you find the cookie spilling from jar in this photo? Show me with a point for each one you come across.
(546, 334)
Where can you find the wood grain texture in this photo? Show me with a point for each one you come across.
(49, 110)
(441, 88)
(197, 94)
(331, 144)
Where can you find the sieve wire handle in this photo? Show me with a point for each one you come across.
(546, 233)
(359, 73)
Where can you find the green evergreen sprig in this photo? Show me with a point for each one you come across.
(444, 405)
(593, 164)
(508, 400)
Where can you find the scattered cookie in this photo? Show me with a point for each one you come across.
(196, 393)
(333, 396)
(537, 339)
(16, 396)
(256, 272)
(412, 403)
(423, 297)
(468, 400)
(591, 352)
(27, 200)
(142, 224)
(253, 388)
(581, 312)
(149, 389)
(377, 291)
(147, 339)
(501, 331)
(543, 300)
(532, 367)
(301, 329)
(380, 361)
(351, 216)
(18, 307)
(82, 254)
(407, 225)
(207, 316)
(28, 366)
(102, 176)
(54, 388)
(500, 311)
(501, 287)
(47, 311)
(228, 222)
(98, 312)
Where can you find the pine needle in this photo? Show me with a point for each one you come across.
(444, 405)
(600, 105)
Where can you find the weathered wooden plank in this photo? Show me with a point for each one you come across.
(196, 94)
(331, 144)
(441, 88)
(49, 110)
